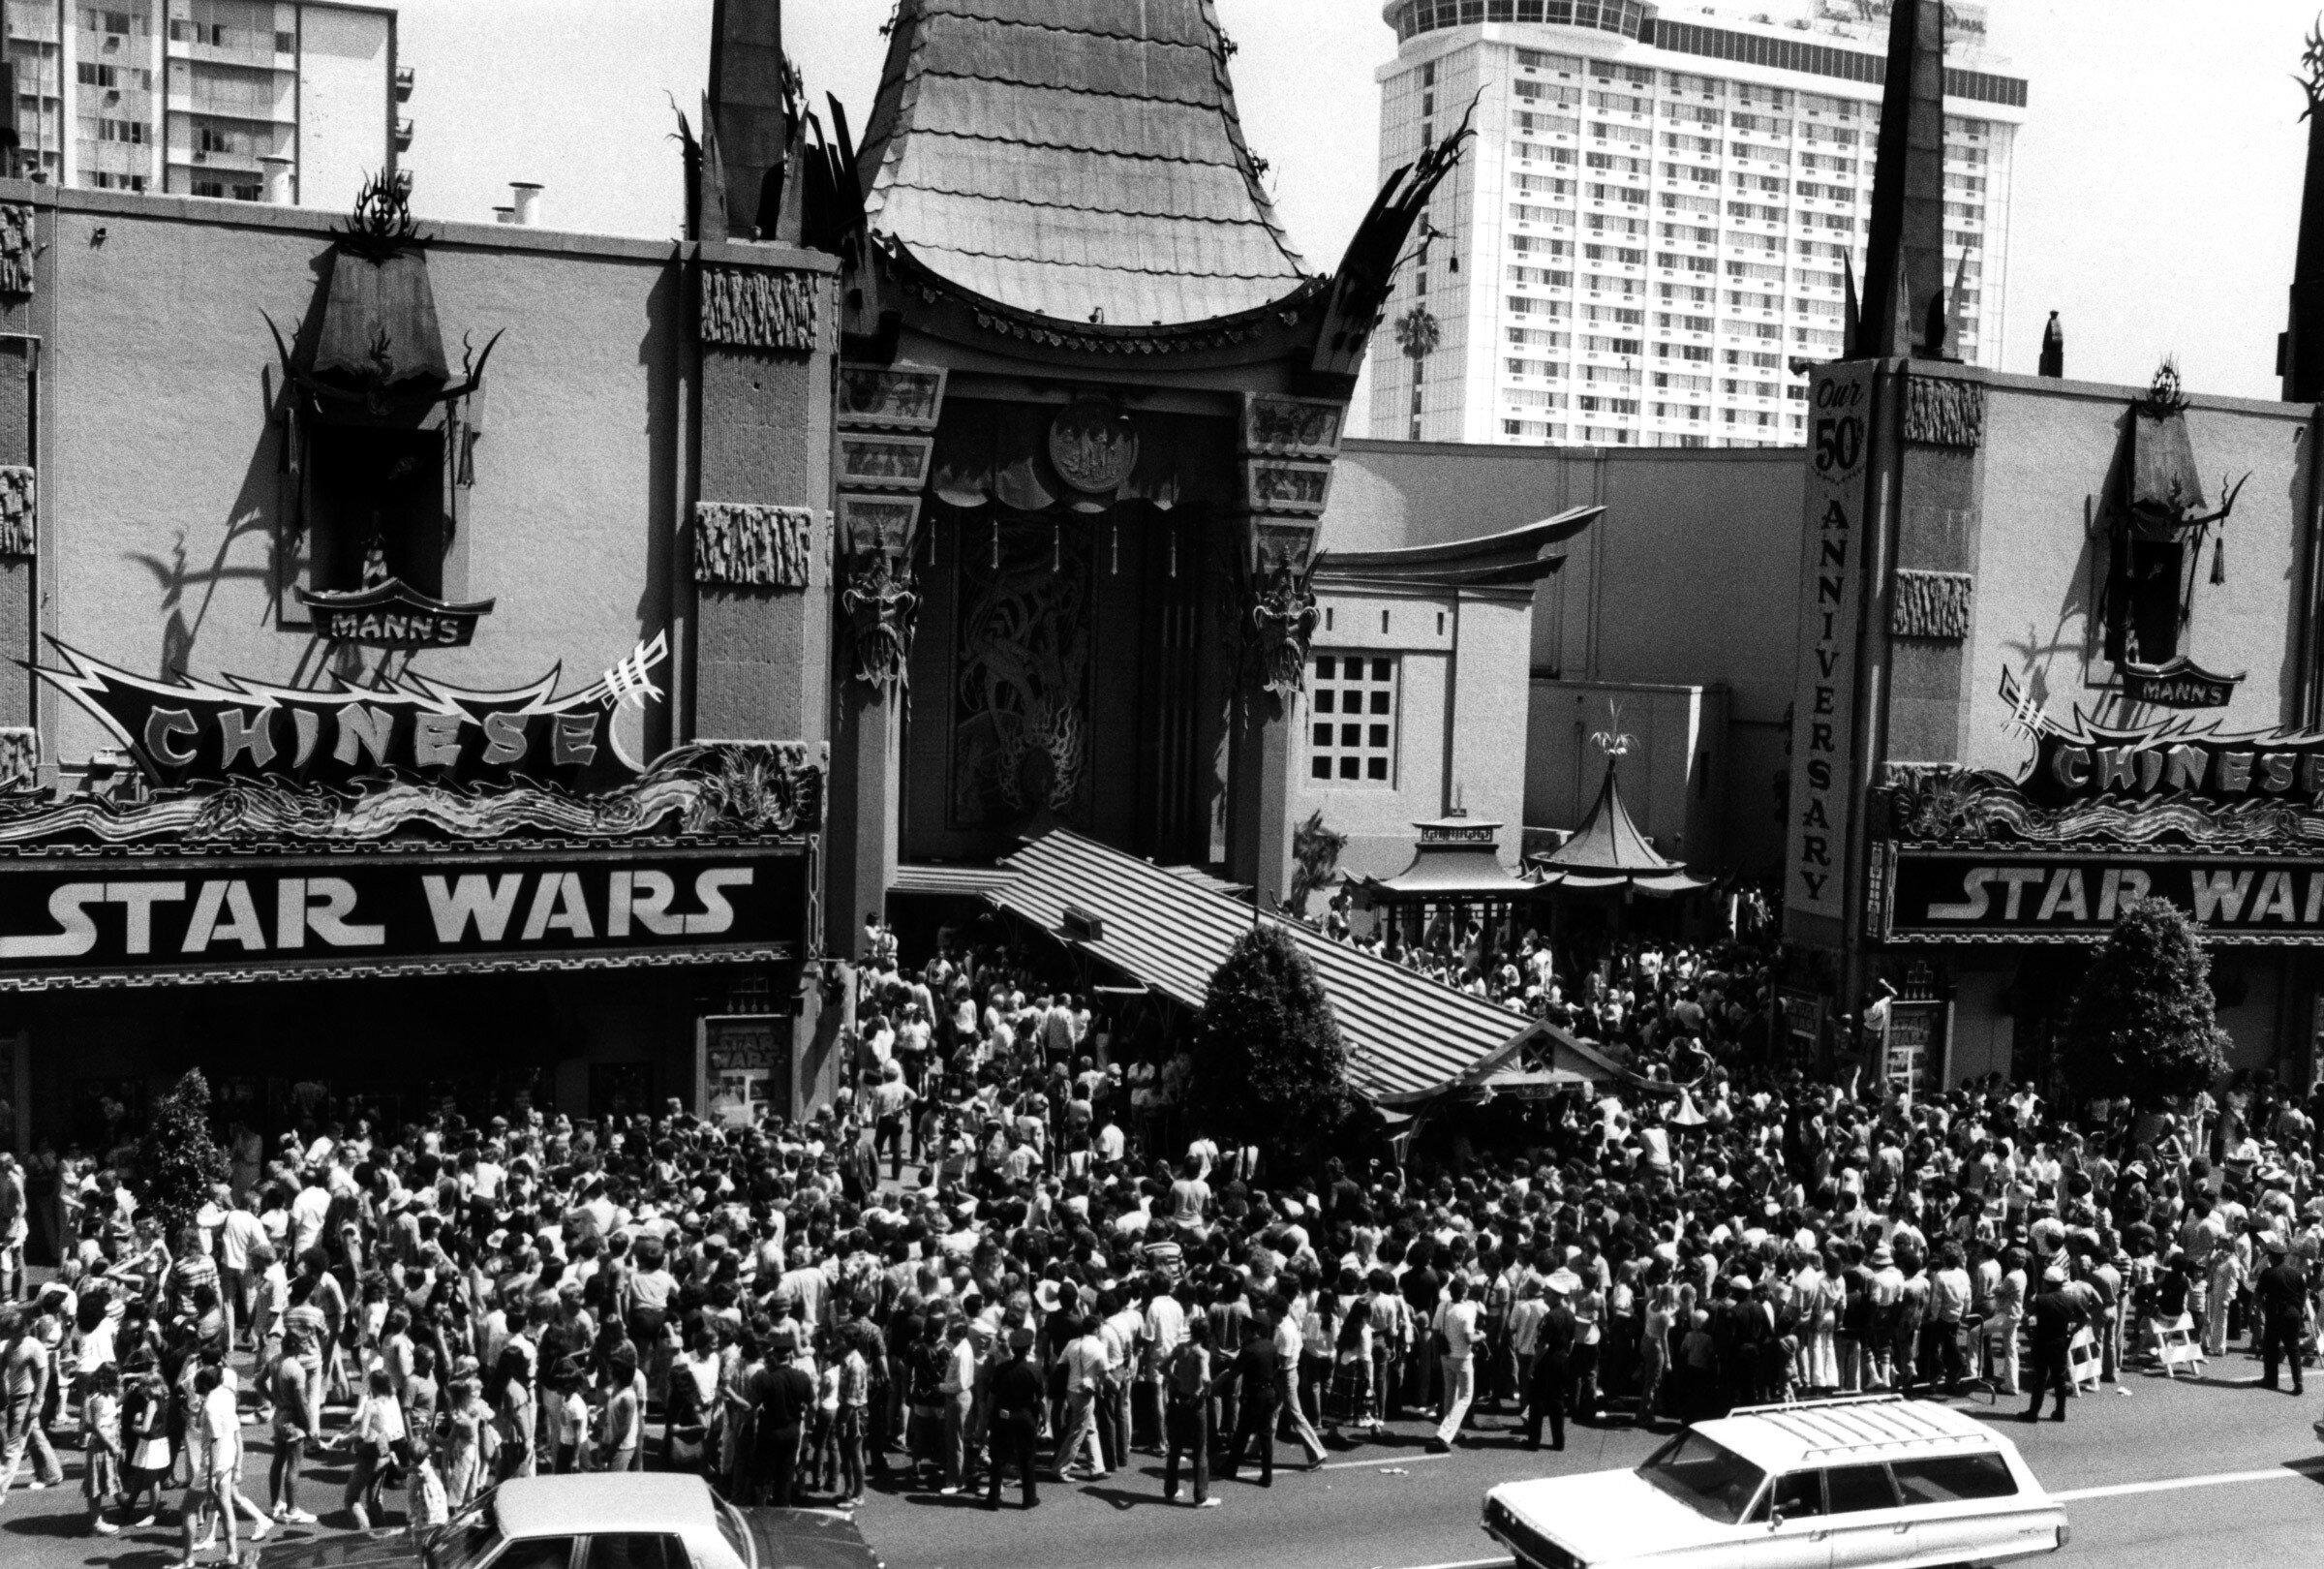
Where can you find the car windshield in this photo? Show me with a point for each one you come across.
(730, 1527)
(468, 1538)
(1714, 1481)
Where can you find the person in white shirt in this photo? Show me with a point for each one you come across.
(1457, 1321)
(309, 1212)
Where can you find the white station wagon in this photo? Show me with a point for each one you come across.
(1836, 1484)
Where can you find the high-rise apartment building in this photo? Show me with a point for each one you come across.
(293, 102)
(1652, 224)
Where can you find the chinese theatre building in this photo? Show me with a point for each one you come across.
(2059, 647)
(473, 665)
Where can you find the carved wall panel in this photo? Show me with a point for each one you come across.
(20, 752)
(1931, 605)
(754, 545)
(760, 307)
(880, 462)
(1945, 413)
(20, 510)
(1291, 427)
(1299, 486)
(17, 247)
(881, 523)
(890, 397)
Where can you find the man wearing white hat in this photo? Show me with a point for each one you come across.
(2055, 1315)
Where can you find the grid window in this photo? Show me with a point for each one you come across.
(1351, 724)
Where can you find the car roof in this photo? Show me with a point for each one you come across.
(601, 1501)
(1849, 1428)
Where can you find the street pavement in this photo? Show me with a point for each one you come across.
(2154, 1475)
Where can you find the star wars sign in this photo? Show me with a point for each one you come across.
(114, 920)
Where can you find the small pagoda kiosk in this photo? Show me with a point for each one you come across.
(1456, 873)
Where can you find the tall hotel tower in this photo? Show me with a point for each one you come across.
(1650, 230)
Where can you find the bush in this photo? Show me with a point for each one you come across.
(2143, 1028)
(1269, 1067)
(178, 1162)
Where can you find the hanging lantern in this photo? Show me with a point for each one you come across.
(996, 544)
(1174, 551)
(1114, 546)
(2219, 559)
(1056, 547)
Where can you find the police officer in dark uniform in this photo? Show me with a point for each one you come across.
(1016, 1396)
(2055, 1315)
(1553, 1374)
(2282, 1292)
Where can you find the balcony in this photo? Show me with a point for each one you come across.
(404, 79)
(403, 136)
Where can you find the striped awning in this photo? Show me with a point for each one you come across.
(958, 881)
(1408, 1038)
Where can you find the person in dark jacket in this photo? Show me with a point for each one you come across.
(783, 1397)
(2055, 1316)
(2281, 1290)
(1252, 1373)
(1553, 1374)
(1017, 1395)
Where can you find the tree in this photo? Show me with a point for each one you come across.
(178, 1162)
(2142, 1028)
(1269, 1067)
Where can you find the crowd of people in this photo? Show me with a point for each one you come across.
(1004, 1254)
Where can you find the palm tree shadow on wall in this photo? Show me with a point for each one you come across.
(198, 565)
(2084, 600)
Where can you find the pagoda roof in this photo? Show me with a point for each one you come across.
(1607, 850)
(1080, 160)
(1454, 858)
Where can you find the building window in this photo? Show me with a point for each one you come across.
(1352, 722)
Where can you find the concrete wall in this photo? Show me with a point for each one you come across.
(162, 497)
(1673, 778)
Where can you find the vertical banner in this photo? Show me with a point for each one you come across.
(1839, 450)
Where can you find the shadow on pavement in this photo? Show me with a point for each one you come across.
(1122, 1498)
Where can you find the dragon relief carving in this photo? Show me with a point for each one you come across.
(882, 601)
(1279, 616)
(1022, 729)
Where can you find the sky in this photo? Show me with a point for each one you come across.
(2158, 179)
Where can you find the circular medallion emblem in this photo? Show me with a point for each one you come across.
(1093, 446)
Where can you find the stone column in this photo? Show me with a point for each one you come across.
(887, 417)
(760, 531)
(19, 487)
(1286, 448)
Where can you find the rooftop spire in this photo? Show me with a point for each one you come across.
(2299, 351)
(1904, 309)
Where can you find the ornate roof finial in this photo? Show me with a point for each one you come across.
(1613, 740)
(2311, 77)
(2163, 397)
(382, 222)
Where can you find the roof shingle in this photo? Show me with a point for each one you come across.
(1081, 159)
